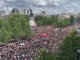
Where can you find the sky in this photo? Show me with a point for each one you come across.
(50, 6)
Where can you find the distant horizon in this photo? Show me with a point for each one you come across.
(50, 6)
(8, 10)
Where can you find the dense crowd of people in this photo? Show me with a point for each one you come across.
(30, 48)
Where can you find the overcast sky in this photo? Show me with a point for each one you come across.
(50, 6)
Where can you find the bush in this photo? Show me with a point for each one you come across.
(69, 46)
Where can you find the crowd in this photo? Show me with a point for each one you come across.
(30, 48)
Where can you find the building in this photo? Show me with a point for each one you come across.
(2, 13)
(64, 15)
(15, 11)
(24, 12)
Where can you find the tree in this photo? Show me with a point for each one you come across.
(72, 19)
(69, 46)
(5, 33)
(19, 26)
(46, 55)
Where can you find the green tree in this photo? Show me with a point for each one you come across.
(5, 33)
(69, 46)
(46, 55)
(19, 26)
(15, 27)
(72, 19)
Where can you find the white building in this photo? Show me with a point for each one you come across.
(64, 15)
(24, 12)
(2, 13)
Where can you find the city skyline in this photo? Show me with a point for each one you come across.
(50, 6)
